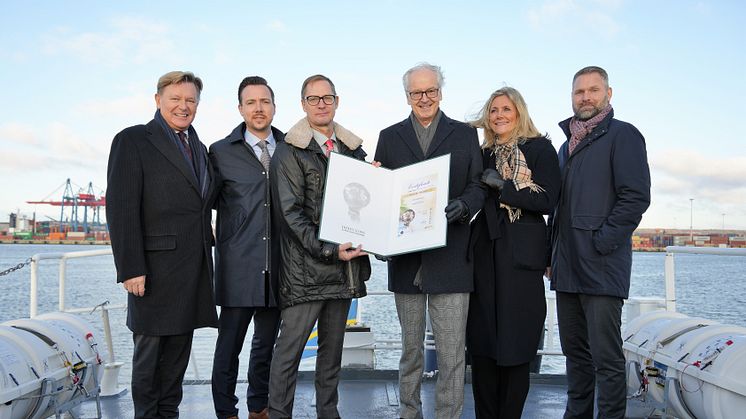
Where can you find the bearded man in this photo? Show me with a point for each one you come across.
(605, 191)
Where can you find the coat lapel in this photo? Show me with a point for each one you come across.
(445, 128)
(406, 132)
(160, 141)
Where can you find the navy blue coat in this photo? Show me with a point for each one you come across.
(605, 190)
(447, 269)
(246, 242)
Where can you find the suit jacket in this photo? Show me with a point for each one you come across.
(247, 244)
(159, 221)
(448, 269)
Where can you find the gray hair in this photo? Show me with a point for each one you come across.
(423, 66)
(592, 69)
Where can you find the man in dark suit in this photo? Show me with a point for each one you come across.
(440, 279)
(158, 212)
(246, 254)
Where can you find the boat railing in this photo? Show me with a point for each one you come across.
(670, 271)
(634, 306)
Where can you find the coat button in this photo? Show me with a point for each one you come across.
(264, 238)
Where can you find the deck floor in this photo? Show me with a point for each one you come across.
(373, 396)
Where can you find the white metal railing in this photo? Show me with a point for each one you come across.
(109, 384)
(62, 277)
(670, 274)
(551, 346)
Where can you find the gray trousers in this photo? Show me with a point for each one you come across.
(589, 328)
(448, 318)
(297, 324)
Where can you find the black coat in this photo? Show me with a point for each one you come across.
(246, 245)
(508, 307)
(447, 269)
(310, 269)
(605, 191)
(159, 221)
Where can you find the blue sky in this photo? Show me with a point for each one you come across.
(76, 73)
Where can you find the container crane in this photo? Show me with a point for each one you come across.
(73, 201)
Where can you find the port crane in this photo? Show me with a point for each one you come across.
(75, 200)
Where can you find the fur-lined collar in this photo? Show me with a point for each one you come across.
(301, 134)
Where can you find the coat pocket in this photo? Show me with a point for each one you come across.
(163, 242)
(588, 222)
(529, 246)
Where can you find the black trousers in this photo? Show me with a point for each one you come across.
(234, 323)
(499, 392)
(158, 367)
(590, 333)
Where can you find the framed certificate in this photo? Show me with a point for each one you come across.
(388, 212)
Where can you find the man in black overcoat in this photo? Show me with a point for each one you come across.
(158, 211)
(247, 252)
(440, 279)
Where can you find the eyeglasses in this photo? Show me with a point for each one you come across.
(314, 100)
(431, 93)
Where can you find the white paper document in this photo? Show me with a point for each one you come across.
(389, 212)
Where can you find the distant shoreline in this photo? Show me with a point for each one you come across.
(47, 241)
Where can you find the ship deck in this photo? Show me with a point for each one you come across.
(362, 394)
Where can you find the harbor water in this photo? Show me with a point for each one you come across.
(707, 286)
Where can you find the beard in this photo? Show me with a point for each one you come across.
(584, 115)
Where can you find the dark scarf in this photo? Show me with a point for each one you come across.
(199, 168)
(580, 129)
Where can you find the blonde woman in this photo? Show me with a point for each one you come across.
(507, 308)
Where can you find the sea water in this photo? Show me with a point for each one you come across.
(706, 286)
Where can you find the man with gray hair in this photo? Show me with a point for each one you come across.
(605, 191)
(437, 280)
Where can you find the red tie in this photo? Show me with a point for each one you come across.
(329, 147)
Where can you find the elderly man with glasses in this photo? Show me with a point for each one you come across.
(439, 279)
(317, 279)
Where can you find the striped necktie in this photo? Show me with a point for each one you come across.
(184, 141)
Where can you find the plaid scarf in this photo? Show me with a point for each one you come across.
(579, 129)
(511, 164)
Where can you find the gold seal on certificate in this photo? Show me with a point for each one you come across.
(389, 212)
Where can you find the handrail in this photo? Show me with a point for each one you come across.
(63, 257)
(723, 251)
(380, 344)
(670, 272)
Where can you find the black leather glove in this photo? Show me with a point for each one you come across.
(383, 258)
(457, 210)
(493, 179)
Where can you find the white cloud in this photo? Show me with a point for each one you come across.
(124, 40)
(276, 26)
(14, 134)
(576, 15)
(687, 173)
(54, 147)
(126, 105)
